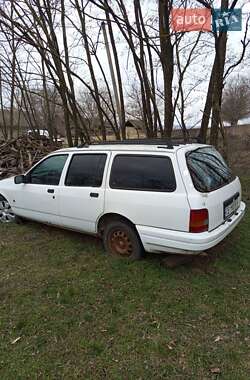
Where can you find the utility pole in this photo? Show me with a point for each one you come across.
(112, 73)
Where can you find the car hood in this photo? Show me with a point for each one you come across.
(6, 182)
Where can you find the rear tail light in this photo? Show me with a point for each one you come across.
(198, 220)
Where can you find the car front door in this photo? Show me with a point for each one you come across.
(81, 198)
(38, 199)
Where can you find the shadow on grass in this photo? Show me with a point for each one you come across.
(203, 262)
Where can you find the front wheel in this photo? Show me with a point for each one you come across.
(121, 240)
(6, 213)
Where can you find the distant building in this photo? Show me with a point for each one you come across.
(135, 128)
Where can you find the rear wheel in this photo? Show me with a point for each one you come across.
(6, 213)
(121, 240)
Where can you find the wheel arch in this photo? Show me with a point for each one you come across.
(2, 197)
(112, 216)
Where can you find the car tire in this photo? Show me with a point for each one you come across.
(121, 240)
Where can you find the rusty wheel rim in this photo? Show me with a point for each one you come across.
(120, 243)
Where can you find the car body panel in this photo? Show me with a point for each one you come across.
(162, 240)
(34, 202)
(151, 208)
(77, 208)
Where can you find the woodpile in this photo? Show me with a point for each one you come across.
(18, 155)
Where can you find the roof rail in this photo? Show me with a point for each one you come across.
(168, 143)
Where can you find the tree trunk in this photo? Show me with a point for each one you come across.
(122, 117)
(91, 70)
(218, 84)
(202, 137)
(167, 61)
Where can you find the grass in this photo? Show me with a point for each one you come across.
(68, 311)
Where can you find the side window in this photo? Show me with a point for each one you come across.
(86, 170)
(49, 171)
(148, 173)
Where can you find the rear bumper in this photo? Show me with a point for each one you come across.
(161, 240)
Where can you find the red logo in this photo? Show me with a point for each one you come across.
(191, 19)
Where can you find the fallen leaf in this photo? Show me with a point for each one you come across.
(218, 338)
(15, 340)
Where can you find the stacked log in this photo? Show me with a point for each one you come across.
(18, 155)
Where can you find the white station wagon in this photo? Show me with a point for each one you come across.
(154, 195)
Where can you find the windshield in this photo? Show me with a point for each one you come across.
(208, 169)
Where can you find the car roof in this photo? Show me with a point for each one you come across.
(133, 147)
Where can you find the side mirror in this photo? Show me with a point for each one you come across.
(20, 179)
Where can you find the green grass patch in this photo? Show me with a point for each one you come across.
(68, 311)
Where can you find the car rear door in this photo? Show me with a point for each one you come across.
(210, 183)
(81, 199)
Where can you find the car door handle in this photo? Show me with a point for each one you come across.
(94, 195)
(51, 191)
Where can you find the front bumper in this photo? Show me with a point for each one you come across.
(160, 240)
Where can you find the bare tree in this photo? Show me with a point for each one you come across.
(62, 48)
(235, 101)
(216, 83)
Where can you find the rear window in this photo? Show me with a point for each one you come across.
(147, 173)
(208, 169)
